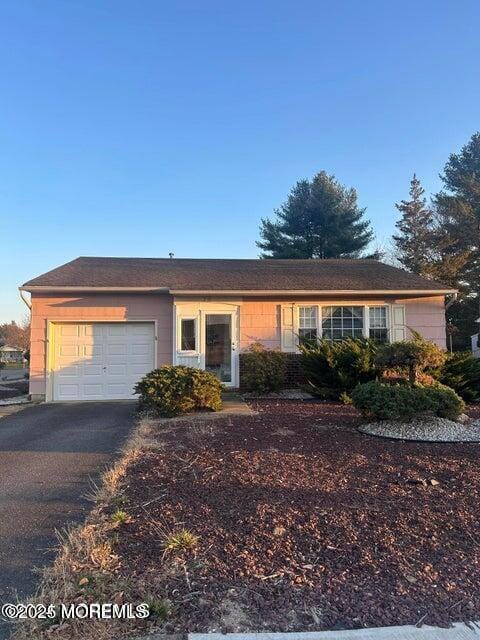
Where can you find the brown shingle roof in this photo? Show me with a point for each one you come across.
(233, 275)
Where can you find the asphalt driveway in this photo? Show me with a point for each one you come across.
(12, 374)
(49, 455)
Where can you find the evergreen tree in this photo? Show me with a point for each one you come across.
(458, 214)
(320, 219)
(413, 245)
(457, 209)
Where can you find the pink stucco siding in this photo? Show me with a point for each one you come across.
(260, 318)
(91, 308)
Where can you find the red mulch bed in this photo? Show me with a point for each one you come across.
(306, 524)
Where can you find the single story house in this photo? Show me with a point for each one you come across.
(9, 354)
(100, 324)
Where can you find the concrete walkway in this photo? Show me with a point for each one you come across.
(232, 405)
(457, 632)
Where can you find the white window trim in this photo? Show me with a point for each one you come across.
(317, 319)
(388, 316)
(187, 352)
(319, 307)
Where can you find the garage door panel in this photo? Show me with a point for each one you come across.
(69, 350)
(93, 350)
(117, 370)
(145, 360)
(90, 369)
(138, 330)
(116, 330)
(119, 390)
(92, 360)
(117, 349)
(97, 329)
(137, 368)
(68, 392)
(95, 361)
(140, 349)
(69, 371)
(93, 390)
(70, 330)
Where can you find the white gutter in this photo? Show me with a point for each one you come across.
(22, 296)
(45, 289)
(244, 292)
(312, 292)
(450, 302)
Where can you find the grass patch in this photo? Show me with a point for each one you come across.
(160, 608)
(181, 540)
(120, 517)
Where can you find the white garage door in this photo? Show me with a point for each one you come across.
(101, 361)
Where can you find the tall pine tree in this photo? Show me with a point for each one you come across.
(320, 219)
(413, 243)
(458, 213)
(457, 209)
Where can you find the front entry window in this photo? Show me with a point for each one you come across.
(188, 332)
(218, 347)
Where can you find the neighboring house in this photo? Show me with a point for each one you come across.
(100, 324)
(476, 343)
(10, 355)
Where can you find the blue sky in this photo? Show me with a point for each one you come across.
(135, 128)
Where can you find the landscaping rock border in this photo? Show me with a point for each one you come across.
(422, 430)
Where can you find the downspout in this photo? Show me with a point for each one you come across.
(447, 307)
(451, 301)
(25, 299)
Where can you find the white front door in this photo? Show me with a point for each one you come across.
(206, 338)
(101, 361)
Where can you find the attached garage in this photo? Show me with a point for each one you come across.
(100, 360)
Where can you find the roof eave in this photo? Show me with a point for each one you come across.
(235, 292)
(309, 292)
(75, 289)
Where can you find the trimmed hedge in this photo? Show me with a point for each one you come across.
(461, 372)
(411, 357)
(335, 368)
(263, 370)
(403, 402)
(174, 390)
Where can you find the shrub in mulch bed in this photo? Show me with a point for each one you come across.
(304, 524)
(173, 390)
(403, 402)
